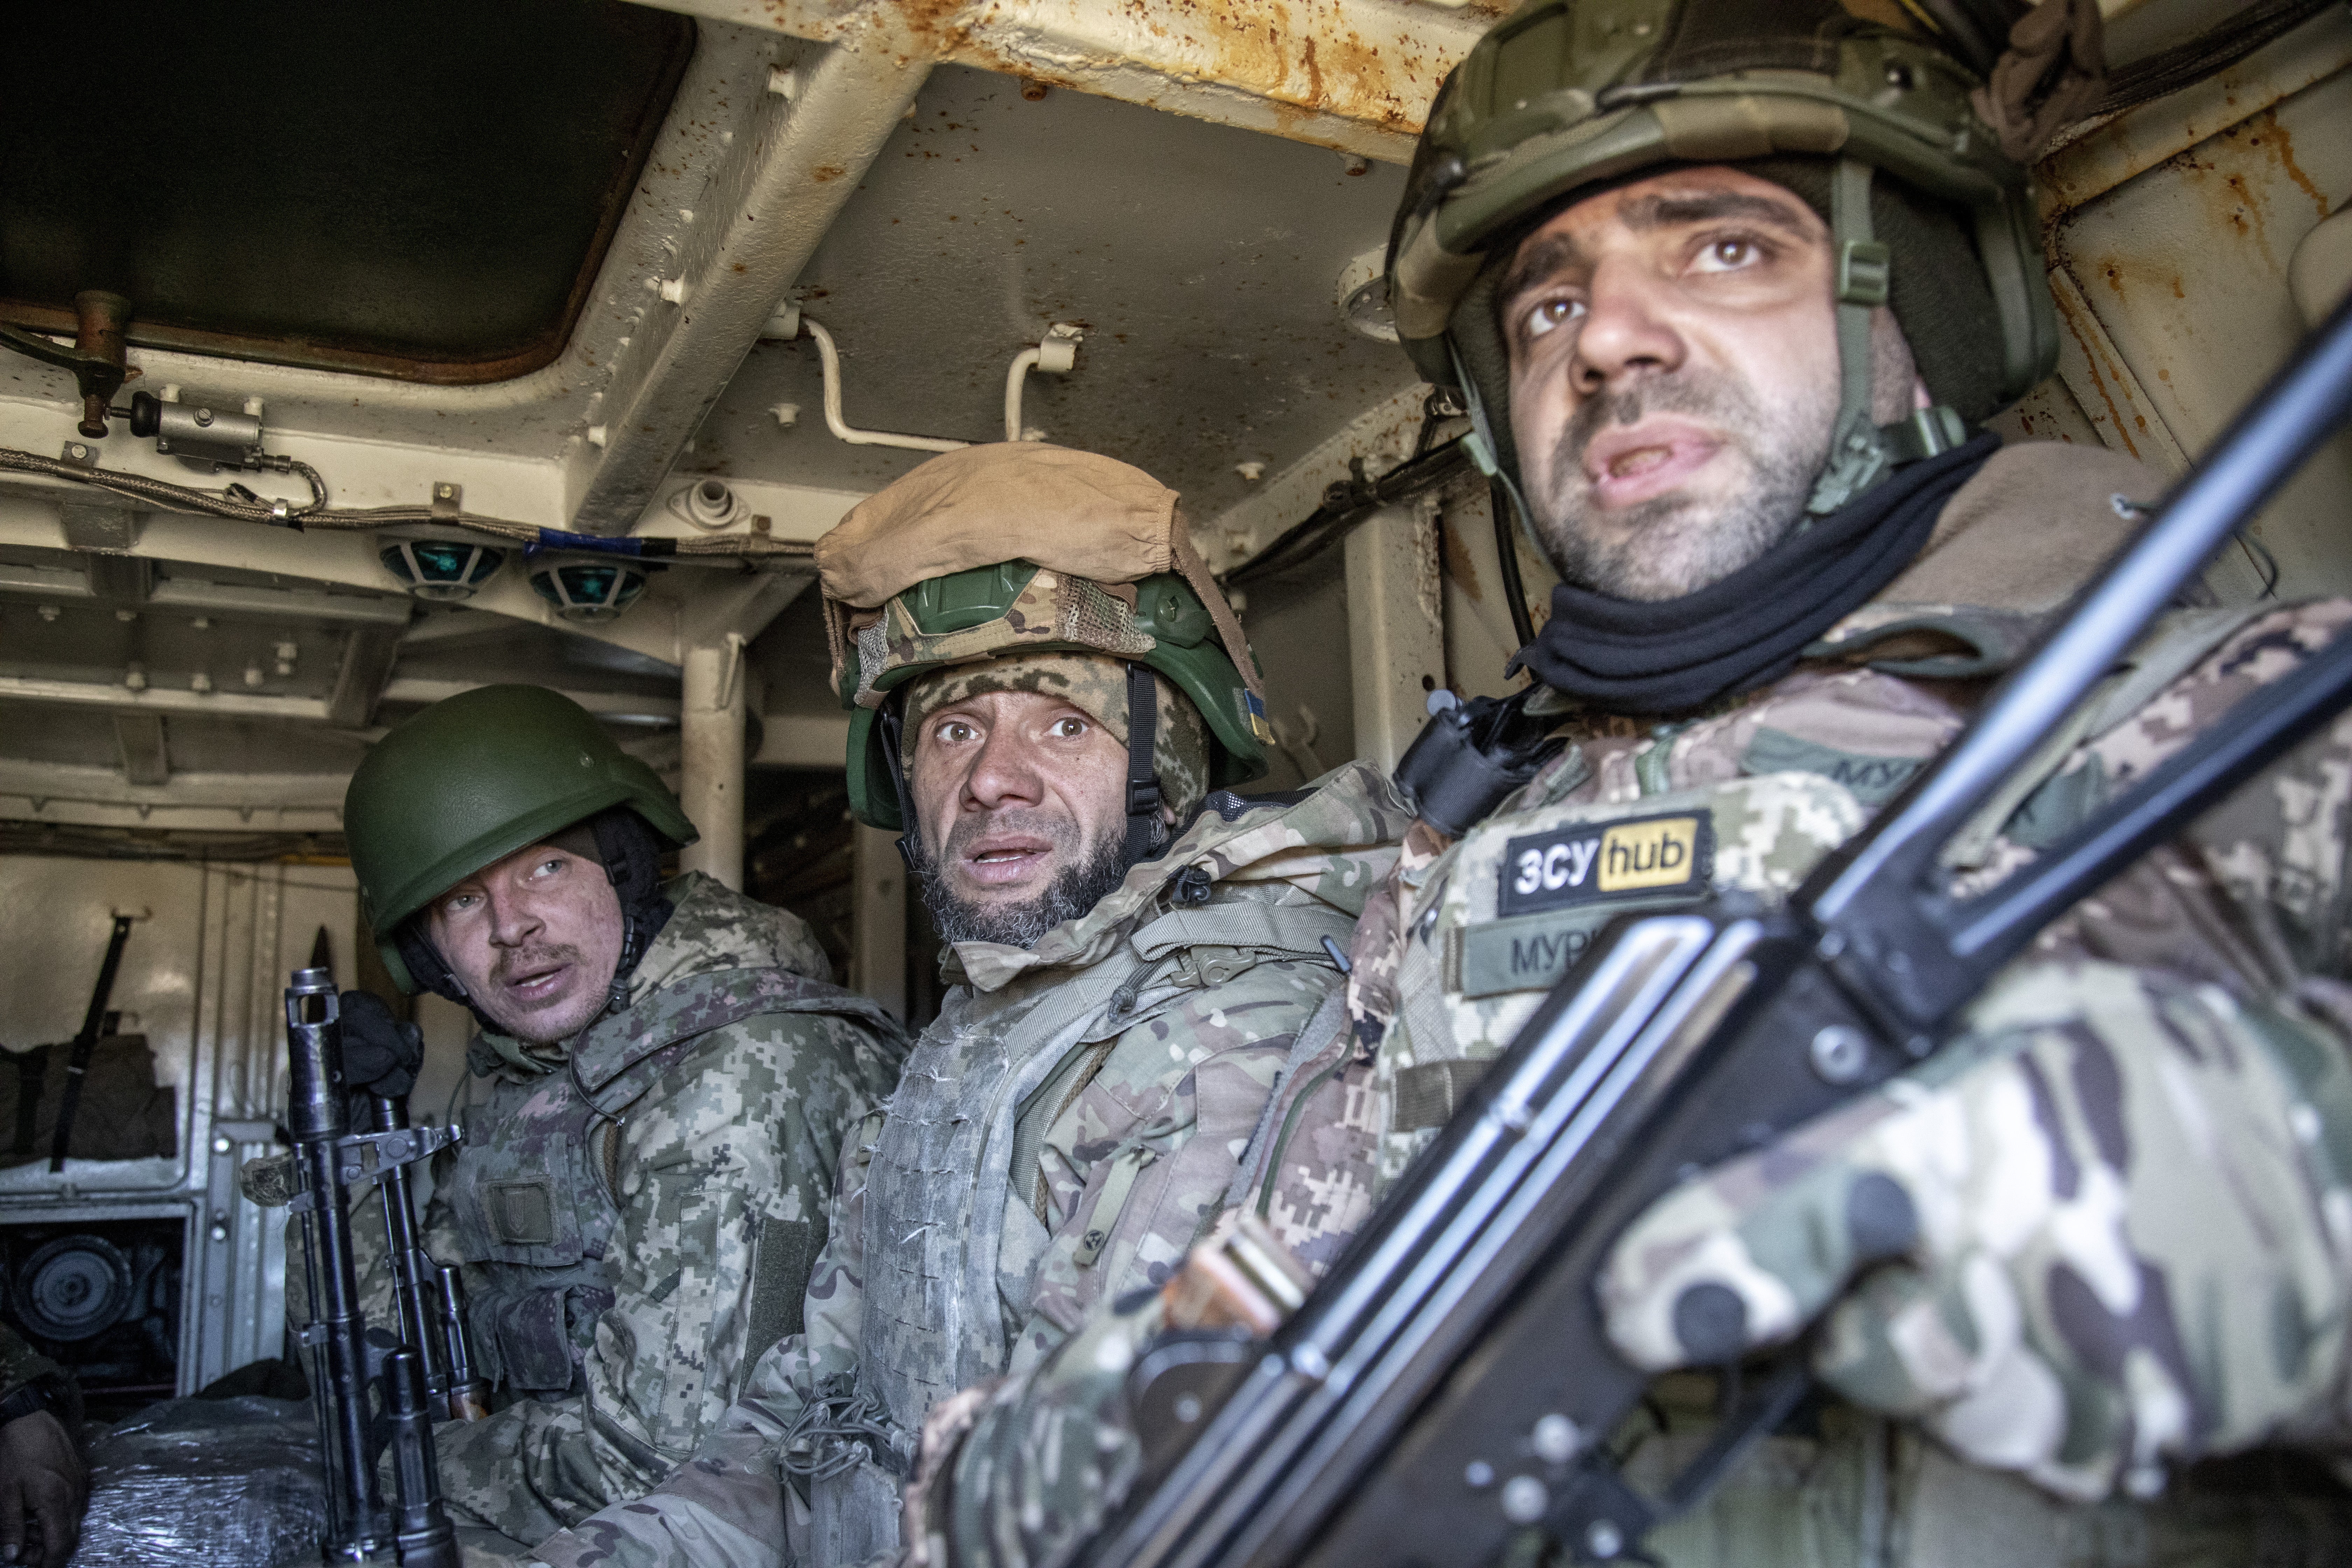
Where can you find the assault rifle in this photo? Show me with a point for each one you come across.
(1446, 1394)
(369, 1388)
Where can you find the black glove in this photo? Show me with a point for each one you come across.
(380, 1055)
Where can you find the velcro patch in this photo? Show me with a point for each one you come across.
(1528, 953)
(1588, 861)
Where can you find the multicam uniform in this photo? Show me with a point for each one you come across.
(637, 1210)
(1061, 1136)
(2226, 947)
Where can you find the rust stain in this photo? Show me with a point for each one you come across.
(2249, 218)
(1459, 564)
(2282, 147)
(825, 173)
(2102, 379)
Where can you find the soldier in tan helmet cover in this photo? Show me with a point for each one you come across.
(1727, 287)
(1135, 949)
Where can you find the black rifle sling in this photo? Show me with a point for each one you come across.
(77, 1065)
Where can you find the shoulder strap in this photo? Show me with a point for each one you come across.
(1245, 922)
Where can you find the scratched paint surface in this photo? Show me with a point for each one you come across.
(2179, 308)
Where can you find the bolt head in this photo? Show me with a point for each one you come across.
(1555, 1439)
(1524, 1498)
(1840, 1054)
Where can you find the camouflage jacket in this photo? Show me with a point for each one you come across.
(1143, 1038)
(641, 1206)
(1455, 952)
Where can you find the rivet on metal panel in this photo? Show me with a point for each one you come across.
(448, 499)
(78, 453)
(1033, 90)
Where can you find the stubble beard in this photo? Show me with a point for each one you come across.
(552, 1023)
(1088, 875)
(1674, 544)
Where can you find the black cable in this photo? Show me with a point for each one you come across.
(240, 504)
(1346, 504)
(2215, 49)
(1507, 551)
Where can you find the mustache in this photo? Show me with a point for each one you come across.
(1717, 399)
(1056, 830)
(519, 961)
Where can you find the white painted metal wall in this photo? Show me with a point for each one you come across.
(200, 978)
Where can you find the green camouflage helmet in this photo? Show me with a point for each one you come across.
(471, 780)
(1573, 96)
(1018, 607)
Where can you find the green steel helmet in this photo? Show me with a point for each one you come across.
(1023, 548)
(1568, 97)
(471, 780)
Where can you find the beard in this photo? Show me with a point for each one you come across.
(1674, 544)
(1088, 875)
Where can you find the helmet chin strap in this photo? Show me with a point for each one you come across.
(1862, 452)
(889, 721)
(1147, 836)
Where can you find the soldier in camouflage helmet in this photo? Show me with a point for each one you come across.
(44, 1485)
(1051, 699)
(1726, 288)
(664, 1078)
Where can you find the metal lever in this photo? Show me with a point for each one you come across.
(96, 359)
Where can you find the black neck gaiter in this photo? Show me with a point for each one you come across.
(1623, 656)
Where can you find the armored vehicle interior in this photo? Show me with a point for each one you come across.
(587, 319)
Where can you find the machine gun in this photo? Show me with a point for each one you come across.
(1448, 1392)
(370, 1390)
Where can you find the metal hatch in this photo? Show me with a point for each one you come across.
(423, 191)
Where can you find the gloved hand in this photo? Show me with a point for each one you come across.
(380, 1055)
(2116, 1224)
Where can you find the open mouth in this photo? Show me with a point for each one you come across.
(1628, 464)
(540, 982)
(1002, 862)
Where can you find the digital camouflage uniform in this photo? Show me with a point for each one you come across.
(2228, 948)
(1061, 1136)
(637, 1211)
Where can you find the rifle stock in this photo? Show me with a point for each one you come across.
(1443, 1394)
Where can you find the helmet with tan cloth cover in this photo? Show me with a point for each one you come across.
(1021, 548)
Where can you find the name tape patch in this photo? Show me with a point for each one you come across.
(1590, 861)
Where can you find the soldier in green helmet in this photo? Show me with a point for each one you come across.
(1051, 700)
(664, 1078)
(1728, 288)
